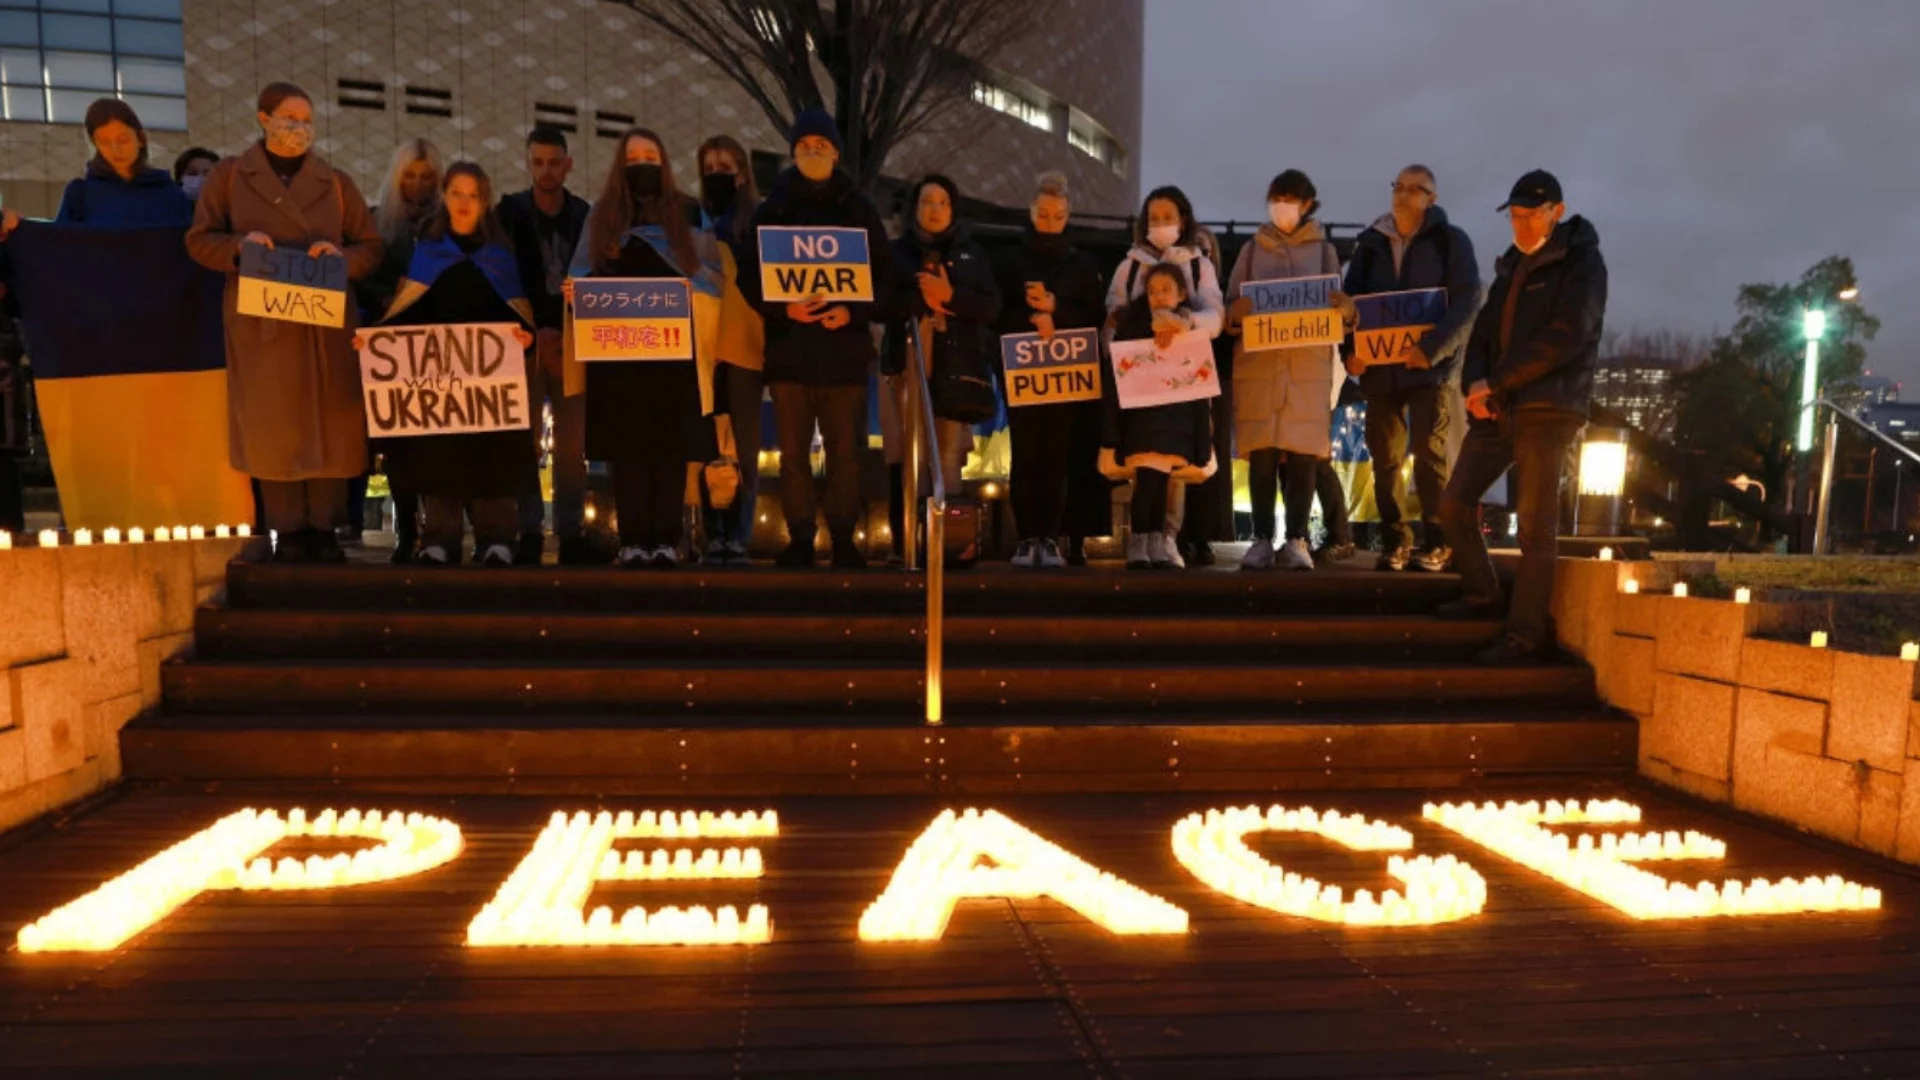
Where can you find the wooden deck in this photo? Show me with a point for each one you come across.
(374, 981)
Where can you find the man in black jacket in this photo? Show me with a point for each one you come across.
(1529, 377)
(819, 353)
(1414, 247)
(544, 224)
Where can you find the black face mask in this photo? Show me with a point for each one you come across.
(717, 191)
(644, 180)
(1051, 244)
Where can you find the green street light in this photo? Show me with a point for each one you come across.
(1816, 327)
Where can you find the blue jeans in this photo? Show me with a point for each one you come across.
(1534, 444)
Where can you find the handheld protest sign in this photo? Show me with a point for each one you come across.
(449, 379)
(1291, 312)
(632, 319)
(1145, 375)
(1041, 372)
(805, 263)
(1394, 322)
(292, 286)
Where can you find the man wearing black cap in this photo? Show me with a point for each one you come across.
(818, 354)
(1529, 379)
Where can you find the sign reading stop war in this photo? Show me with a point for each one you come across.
(1393, 323)
(450, 379)
(1043, 372)
(804, 263)
(632, 319)
(1291, 312)
(292, 286)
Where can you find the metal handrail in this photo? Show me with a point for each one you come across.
(1831, 446)
(1868, 428)
(923, 446)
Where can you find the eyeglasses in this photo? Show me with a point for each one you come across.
(1411, 189)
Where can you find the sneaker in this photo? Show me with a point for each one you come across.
(1334, 553)
(1433, 559)
(325, 546)
(1259, 555)
(1511, 651)
(664, 557)
(717, 553)
(1394, 559)
(847, 556)
(1199, 553)
(1139, 552)
(737, 553)
(433, 555)
(797, 554)
(1027, 554)
(291, 547)
(498, 555)
(1465, 608)
(634, 557)
(530, 550)
(1164, 553)
(347, 536)
(1293, 555)
(581, 551)
(1050, 558)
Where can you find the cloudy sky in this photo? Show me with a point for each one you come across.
(1712, 142)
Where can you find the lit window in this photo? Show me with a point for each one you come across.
(58, 56)
(1086, 135)
(1014, 104)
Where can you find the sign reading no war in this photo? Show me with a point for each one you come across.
(803, 263)
(449, 379)
(1291, 312)
(292, 286)
(632, 319)
(1041, 372)
(1392, 323)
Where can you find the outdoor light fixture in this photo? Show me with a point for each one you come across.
(1603, 480)
(1816, 327)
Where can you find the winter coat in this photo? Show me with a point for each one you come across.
(1283, 398)
(1070, 274)
(809, 353)
(150, 200)
(1183, 430)
(293, 391)
(967, 341)
(520, 216)
(1440, 256)
(1554, 342)
(1203, 283)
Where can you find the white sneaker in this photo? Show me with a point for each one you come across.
(1259, 555)
(1294, 555)
(664, 557)
(497, 555)
(1165, 555)
(432, 555)
(634, 557)
(1139, 551)
(1027, 555)
(1050, 557)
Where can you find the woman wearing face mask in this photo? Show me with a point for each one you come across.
(462, 271)
(190, 169)
(294, 389)
(1283, 398)
(120, 190)
(644, 417)
(728, 195)
(1048, 285)
(1166, 232)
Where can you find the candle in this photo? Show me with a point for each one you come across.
(1680, 589)
(49, 538)
(245, 531)
(1910, 651)
(6, 540)
(1819, 639)
(1743, 595)
(162, 535)
(83, 538)
(221, 532)
(111, 536)
(136, 535)
(1606, 554)
(1630, 586)
(198, 532)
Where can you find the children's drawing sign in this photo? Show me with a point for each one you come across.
(632, 319)
(1291, 312)
(292, 286)
(1041, 372)
(800, 263)
(1145, 375)
(449, 379)
(1392, 323)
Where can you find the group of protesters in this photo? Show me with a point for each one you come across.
(441, 248)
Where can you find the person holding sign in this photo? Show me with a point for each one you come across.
(1049, 286)
(1151, 444)
(1286, 289)
(819, 345)
(454, 381)
(644, 415)
(1422, 271)
(294, 387)
(1529, 374)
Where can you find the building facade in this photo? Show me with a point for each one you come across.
(475, 75)
(1641, 390)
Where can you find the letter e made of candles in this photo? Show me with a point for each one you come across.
(1040, 372)
(292, 286)
(449, 379)
(1289, 313)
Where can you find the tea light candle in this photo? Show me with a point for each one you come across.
(111, 536)
(6, 540)
(1630, 586)
(136, 535)
(1680, 589)
(83, 538)
(161, 534)
(179, 532)
(198, 532)
(221, 532)
(1606, 554)
(49, 538)
(1743, 595)
(244, 531)
(1910, 651)
(1819, 639)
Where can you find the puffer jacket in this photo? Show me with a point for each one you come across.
(1283, 398)
(1553, 344)
(1203, 283)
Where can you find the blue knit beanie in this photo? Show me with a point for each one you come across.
(814, 122)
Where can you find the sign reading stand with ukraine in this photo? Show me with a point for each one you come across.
(292, 286)
(798, 263)
(1392, 323)
(632, 319)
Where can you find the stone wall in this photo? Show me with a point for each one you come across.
(1818, 738)
(83, 632)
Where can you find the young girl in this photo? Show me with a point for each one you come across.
(1283, 398)
(1161, 443)
(462, 271)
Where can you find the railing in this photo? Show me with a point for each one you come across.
(1829, 448)
(923, 447)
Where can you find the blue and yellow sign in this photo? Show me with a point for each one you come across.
(1392, 323)
(1041, 372)
(632, 319)
(809, 263)
(292, 286)
(1291, 312)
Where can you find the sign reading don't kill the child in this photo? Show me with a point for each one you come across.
(1051, 371)
(1291, 312)
(446, 379)
(632, 319)
(292, 286)
(802, 263)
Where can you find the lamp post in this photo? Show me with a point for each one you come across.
(1815, 324)
(1603, 480)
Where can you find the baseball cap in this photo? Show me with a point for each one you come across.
(1537, 188)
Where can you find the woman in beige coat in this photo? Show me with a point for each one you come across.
(293, 390)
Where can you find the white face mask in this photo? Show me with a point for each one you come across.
(1163, 236)
(190, 186)
(1285, 215)
(1536, 246)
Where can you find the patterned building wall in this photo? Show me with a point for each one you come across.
(498, 59)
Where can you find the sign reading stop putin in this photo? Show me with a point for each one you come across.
(1041, 371)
